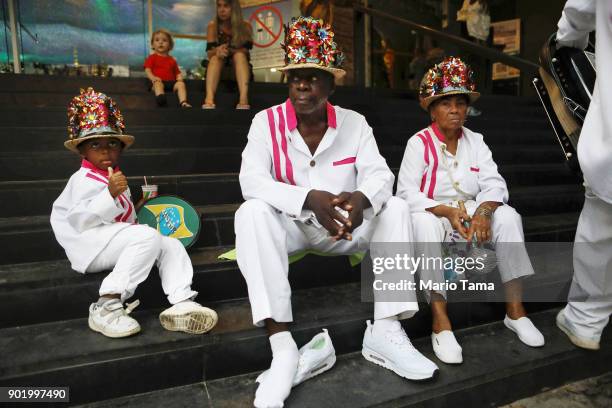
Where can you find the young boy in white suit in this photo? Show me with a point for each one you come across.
(94, 220)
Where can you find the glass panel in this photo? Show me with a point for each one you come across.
(87, 31)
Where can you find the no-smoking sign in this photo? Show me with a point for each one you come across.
(267, 23)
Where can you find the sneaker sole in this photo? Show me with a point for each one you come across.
(517, 335)
(326, 365)
(193, 322)
(376, 358)
(575, 340)
(93, 326)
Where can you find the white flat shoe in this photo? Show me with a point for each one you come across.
(578, 341)
(525, 330)
(316, 357)
(446, 347)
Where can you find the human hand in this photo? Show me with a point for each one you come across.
(156, 79)
(355, 203)
(457, 217)
(117, 183)
(222, 51)
(322, 204)
(481, 228)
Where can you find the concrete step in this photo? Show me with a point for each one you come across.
(375, 114)
(19, 198)
(499, 134)
(497, 370)
(35, 197)
(55, 164)
(30, 239)
(158, 359)
(50, 290)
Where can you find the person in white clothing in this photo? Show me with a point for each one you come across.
(313, 178)
(94, 220)
(590, 299)
(446, 165)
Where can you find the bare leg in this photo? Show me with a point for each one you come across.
(213, 73)
(181, 90)
(440, 320)
(158, 88)
(241, 66)
(273, 327)
(514, 299)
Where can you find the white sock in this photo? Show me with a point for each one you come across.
(276, 385)
(383, 325)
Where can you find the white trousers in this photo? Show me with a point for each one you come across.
(592, 282)
(133, 252)
(265, 237)
(506, 227)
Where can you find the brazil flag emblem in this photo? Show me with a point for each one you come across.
(173, 217)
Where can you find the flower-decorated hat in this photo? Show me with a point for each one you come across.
(450, 77)
(92, 115)
(309, 43)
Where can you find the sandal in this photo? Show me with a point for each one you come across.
(209, 106)
(185, 104)
(243, 106)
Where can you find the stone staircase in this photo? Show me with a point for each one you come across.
(196, 154)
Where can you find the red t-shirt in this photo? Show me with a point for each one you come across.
(165, 68)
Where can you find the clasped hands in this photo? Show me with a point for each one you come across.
(480, 225)
(324, 204)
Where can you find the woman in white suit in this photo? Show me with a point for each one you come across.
(446, 165)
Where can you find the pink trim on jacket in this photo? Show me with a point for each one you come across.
(432, 184)
(281, 126)
(275, 152)
(348, 160)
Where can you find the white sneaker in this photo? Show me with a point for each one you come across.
(393, 350)
(112, 320)
(525, 330)
(446, 347)
(316, 357)
(579, 341)
(189, 317)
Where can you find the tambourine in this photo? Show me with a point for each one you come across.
(564, 84)
(173, 217)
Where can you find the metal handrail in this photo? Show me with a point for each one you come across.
(487, 52)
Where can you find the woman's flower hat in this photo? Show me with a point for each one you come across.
(92, 115)
(450, 77)
(309, 43)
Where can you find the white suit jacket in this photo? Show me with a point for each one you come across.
(278, 168)
(85, 217)
(595, 143)
(428, 171)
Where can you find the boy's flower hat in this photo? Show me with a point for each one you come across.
(92, 115)
(450, 77)
(309, 43)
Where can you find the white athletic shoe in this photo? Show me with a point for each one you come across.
(446, 347)
(393, 350)
(316, 357)
(525, 330)
(189, 317)
(580, 341)
(112, 320)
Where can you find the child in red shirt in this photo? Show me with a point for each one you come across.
(163, 71)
